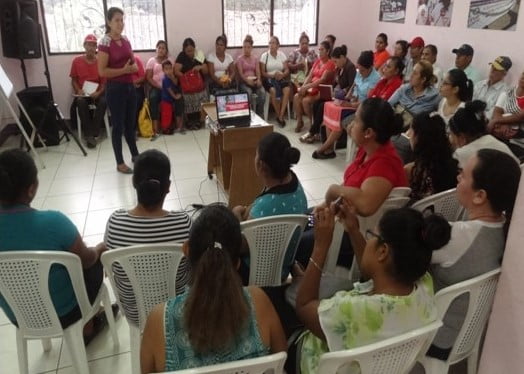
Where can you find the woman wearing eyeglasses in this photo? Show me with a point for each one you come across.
(398, 293)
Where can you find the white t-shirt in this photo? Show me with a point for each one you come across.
(462, 154)
(273, 64)
(437, 72)
(220, 66)
(489, 94)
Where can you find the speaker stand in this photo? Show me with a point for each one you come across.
(24, 71)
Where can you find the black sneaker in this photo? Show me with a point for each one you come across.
(323, 156)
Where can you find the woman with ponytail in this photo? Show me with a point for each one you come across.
(148, 222)
(397, 295)
(216, 320)
(487, 187)
(456, 89)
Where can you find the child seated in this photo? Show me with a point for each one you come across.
(172, 101)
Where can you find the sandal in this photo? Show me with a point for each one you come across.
(323, 156)
(99, 323)
(299, 127)
(124, 169)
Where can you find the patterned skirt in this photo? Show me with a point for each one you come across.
(192, 101)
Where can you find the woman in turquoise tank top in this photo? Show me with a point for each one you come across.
(216, 320)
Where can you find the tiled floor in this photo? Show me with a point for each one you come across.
(88, 189)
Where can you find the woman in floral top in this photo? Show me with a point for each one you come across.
(398, 296)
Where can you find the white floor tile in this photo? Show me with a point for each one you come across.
(73, 203)
(112, 198)
(96, 221)
(119, 364)
(70, 185)
(79, 219)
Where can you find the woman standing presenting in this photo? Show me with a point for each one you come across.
(117, 63)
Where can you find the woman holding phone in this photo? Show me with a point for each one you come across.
(117, 64)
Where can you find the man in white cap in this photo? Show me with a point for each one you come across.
(463, 62)
(88, 88)
(490, 89)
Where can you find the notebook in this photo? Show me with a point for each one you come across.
(233, 110)
(326, 92)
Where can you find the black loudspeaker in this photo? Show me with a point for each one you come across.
(20, 29)
(37, 102)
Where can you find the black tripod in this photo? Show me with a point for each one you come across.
(52, 108)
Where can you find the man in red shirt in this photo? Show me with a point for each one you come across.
(84, 78)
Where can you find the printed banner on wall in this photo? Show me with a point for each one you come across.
(392, 11)
(434, 12)
(493, 14)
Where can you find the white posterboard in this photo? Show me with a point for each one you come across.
(5, 83)
(6, 89)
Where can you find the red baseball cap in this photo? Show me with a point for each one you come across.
(417, 42)
(90, 39)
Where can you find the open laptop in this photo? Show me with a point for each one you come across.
(233, 110)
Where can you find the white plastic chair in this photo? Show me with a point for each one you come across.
(24, 283)
(396, 355)
(273, 364)
(445, 203)
(268, 239)
(481, 292)
(369, 223)
(151, 270)
(79, 122)
(266, 107)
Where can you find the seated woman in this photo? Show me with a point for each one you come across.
(344, 80)
(322, 72)
(301, 60)
(401, 50)
(275, 73)
(147, 222)
(154, 77)
(434, 168)
(365, 87)
(398, 293)
(468, 133)
(369, 179)
(23, 228)
(412, 98)
(381, 54)
(455, 90)
(249, 75)
(283, 193)
(508, 118)
(221, 67)
(487, 188)
(186, 332)
(189, 63)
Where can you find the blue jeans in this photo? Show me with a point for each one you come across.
(121, 101)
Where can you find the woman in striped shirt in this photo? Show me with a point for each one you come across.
(147, 222)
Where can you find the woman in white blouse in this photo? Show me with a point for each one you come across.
(275, 73)
(221, 68)
(455, 90)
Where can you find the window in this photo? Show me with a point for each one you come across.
(67, 22)
(286, 19)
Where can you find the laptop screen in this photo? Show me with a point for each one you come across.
(232, 106)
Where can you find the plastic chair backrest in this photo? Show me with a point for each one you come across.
(372, 221)
(445, 203)
(333, 251)
(24, 283)
(269, 239)
(267, 364)
(481, 292)
(395, 355)
(151, 270)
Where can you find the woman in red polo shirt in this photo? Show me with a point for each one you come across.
(377, 168)
(322, 72)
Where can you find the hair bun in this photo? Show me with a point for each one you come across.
(436, 232)
(292, 155)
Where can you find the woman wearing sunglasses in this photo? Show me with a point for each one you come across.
(397, 296)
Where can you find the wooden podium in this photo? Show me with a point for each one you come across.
(232, 159)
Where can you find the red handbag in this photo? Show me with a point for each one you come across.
(191, 82)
